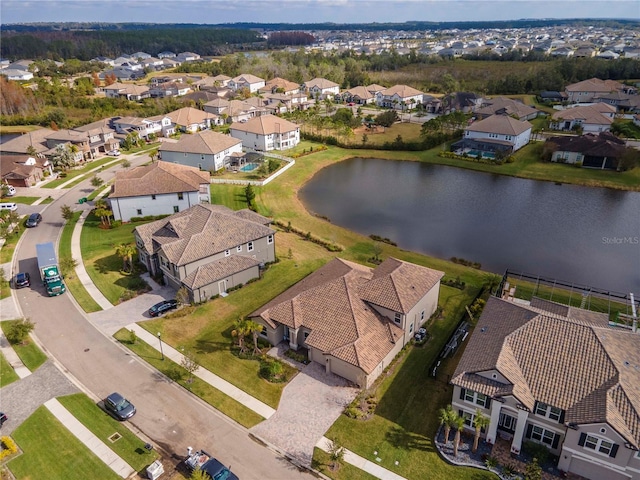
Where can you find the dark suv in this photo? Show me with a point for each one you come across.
(33, 220)
(163, 306)
(119, 406)
(23, 280)
(3, 418)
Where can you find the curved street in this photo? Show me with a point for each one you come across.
(170, 416)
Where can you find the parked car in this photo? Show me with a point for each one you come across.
(23, 279)
(11, 191)
(211, 466)
(163, 306)
(33, 220)
(3, 418)
(119, 407)
(113, 153)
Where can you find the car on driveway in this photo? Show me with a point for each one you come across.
(163, 306)
(114, 153)
(3, 418)
(11, 191)
(33, 220)
(119, 407)
(23, 279)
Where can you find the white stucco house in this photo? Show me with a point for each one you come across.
(321, 88)
(495, 133)
(594, 118)
(161, 188)
(266, 132)
(159, 125)
(206, 150)
(400, 97)
(248, 81)
(189, 119)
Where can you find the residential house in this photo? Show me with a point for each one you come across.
(189, 119)
(400, 97)
(590, 118)
(101, 136)
(360, 95)
(24, 170)
(248, 81)
(558, 376)
(280, 85)
(624, 102)
(80, 140)
(466, 102)
(159, 125)
(506, 106)
(234, 110)
(187, 57)
(602, 151)
(16, 75)
(353, 319)
(126, 90)
(583, 92)
(266, 132)
(321, 88)
(169, 89)
(208, 249)
(166, 54)
(30, 143)
(206, 150)
(161, 188)
(497, 133)
(206, 83)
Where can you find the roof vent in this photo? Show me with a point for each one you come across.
(483, 329)
(626, 363)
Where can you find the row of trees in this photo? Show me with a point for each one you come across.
(449, 419)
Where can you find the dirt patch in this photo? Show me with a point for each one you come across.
(368, 130)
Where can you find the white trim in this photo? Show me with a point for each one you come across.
(582, 456)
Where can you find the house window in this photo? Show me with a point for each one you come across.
(250, 247)
(200, 166)
(600, 445)
(185, 154)
(397, 318)
(176, 209)
(468, 417)
(139, 210)
(411, 328)
(153, 197)
(264, 331)
(239, 248)
(306, 334)
(474, 397)
(422, 315)
(548, 411)
(270, 239)
(542, 435)
(180, 196)
(227, 253)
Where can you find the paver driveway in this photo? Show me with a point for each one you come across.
(309, 405)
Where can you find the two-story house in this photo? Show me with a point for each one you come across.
(497, 133)
(207, 249)
(585, 91)
(353, 319)
(266, 132)
(321, 88)
(189, 119)
(558, 376)
(159, 125)
(590, 118)
(126, 90)
(206, 150)
(280, 85)
(161, 188)
(400, 97)
(248, 81)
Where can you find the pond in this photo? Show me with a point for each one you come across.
(584, 235)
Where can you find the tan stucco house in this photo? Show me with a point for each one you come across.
(353, 319)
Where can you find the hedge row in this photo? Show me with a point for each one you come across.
(332, 247)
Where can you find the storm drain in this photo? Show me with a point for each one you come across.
(115, 437)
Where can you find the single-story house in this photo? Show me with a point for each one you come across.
(360, 95)
(16, 75)
(189, 119)
(558, 376)
(126, 90)
(507, 106)
(206, 150)
(497, 133)
(23, 170)
(248, 81)
(400, 97)
(207, 249)
(266, 132)
(353, 319)
(591, 118)
(601, 151)
(161, 188)
(28, 143)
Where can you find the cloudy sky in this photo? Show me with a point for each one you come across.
(301, 11)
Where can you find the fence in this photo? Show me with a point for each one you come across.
(290, 162)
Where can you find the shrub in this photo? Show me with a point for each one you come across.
(19, 331)
(491, 462)
(9, 447)
(271, 370)
(536, 450)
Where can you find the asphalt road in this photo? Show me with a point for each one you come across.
(167, 414)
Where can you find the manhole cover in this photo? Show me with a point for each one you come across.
(115, 437)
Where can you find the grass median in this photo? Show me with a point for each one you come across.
(7, 373)
(27, 350)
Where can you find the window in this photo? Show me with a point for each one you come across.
(180, 196)
(250, 247)
(600, 445)
(176, 209)
(239, 248)
(227, 253)
(306, 334)
(422, 315)
(548, 411)
(153, 197)
(139, 211)
(474, 397)
(543, 435)
(398, 317)
(200, 166)
(264, 331)
(270, 239)
(411, 328)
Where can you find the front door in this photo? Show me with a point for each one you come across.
(222, 286)
(507, 423)
(286, 333)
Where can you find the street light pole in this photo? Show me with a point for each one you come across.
(160, 340)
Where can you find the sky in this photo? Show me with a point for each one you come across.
(306, 11)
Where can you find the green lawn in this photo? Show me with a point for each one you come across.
(6, 252)
(100, 259)
(7, 374)
(23, 200)
(28, 351)
(225, 404)
(70, 174)
(321, 462)
(51, 452)
(129, 447)
(74, 286)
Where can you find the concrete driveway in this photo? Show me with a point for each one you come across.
(309, 405)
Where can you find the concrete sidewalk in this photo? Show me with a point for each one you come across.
(93, 443)
(12, 357)
(225, 387)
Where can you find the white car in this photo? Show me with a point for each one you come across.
(11, 190)
(113, 153)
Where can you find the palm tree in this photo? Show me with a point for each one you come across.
(480, 421)
(240, 330)
(457, 422)
(445, 415)
(254, 328)
(126, 252)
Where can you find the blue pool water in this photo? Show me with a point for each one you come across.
(248, 167)
(474, 153)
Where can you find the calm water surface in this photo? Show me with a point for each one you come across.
(588, 236)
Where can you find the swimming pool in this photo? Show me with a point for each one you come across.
(248, 167)
(474, 153)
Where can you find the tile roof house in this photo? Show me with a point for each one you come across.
(23, 144)
(280, 85)
(583, 92)
(591, 118)
(248, 81)
(507, 106)
(466, 102)
(189, 119)
(321, 88)
(23, 170)
(126, 90)
(206, 150)
(497, 133)
(266, 132)
(360, 95)
(161, 188)
(159, 125)
(602, 151)
(558, 376)
(207, 248)
(399, 97)
(353, 319)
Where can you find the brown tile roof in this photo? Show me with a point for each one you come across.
(219, 269)
(200, 232)
(586, 113)
(360, 92)
(205, 142)
(276, 83)
(128, 88)
(574, 363)
(265, 125)
(14, 166)
(330, 303)
(320, 83)
(506, 105)
(189, 116)
(158, 178)
(501, 124)
(37, 139)
(403, 91)
(248, 78)
(595, 85)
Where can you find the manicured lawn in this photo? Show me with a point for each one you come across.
(408, 132)
(6, 252)
(7, 374)
(129, 447)
(101, 262)
(321, 462)
(51, 452)
(79, 172)
(230, 195)
(225, 404)
(18, 128)
(28, 351)
(74, 286)
(23, 200)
